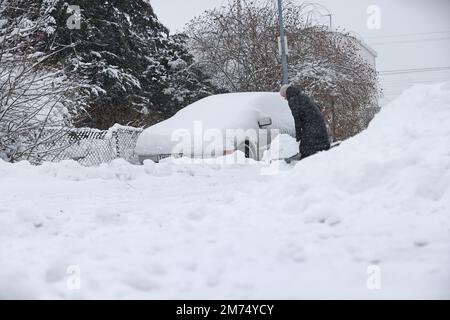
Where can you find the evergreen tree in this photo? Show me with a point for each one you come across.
(131, 70)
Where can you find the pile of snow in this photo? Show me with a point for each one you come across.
(283, 146)
(369, 219)
(118, 127)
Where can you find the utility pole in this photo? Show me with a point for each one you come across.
(284, 63)
(239, 17)
(331, 20)
(239, 8)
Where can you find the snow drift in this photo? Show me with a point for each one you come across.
(369, 219)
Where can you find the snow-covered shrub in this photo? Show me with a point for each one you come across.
(33, 95)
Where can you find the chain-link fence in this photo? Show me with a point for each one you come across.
(88, 146)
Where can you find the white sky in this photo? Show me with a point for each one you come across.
(414, 33)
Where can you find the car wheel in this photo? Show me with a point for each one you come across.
(248, 149)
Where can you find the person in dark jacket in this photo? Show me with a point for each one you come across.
(310, 126)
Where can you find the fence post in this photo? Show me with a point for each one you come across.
(116, 138)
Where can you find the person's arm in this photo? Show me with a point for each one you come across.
(293, 103)
(298, 132)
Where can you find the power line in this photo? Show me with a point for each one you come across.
(437, 77)
(407, 34)
(397, 86)
(434, 73)
(390, 87)
(409, 41)
(392, 91)
(403, 71)
(393, 86)
(403, 80)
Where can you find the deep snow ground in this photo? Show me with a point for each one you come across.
(210, 231)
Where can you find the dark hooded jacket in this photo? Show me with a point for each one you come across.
(310, 125)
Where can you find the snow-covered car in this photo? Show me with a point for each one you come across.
(219, 125)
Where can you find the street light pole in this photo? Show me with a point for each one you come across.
(331, 20)
(284, 62)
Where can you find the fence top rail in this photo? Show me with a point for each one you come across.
(94, 130)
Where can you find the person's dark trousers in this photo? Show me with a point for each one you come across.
(305, 155)
(300, 156)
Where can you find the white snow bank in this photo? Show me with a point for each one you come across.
(389, 190)
(372, 213)
(283, 146)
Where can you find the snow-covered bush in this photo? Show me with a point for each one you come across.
(33, 95)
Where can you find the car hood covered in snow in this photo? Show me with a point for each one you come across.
(219, 112)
